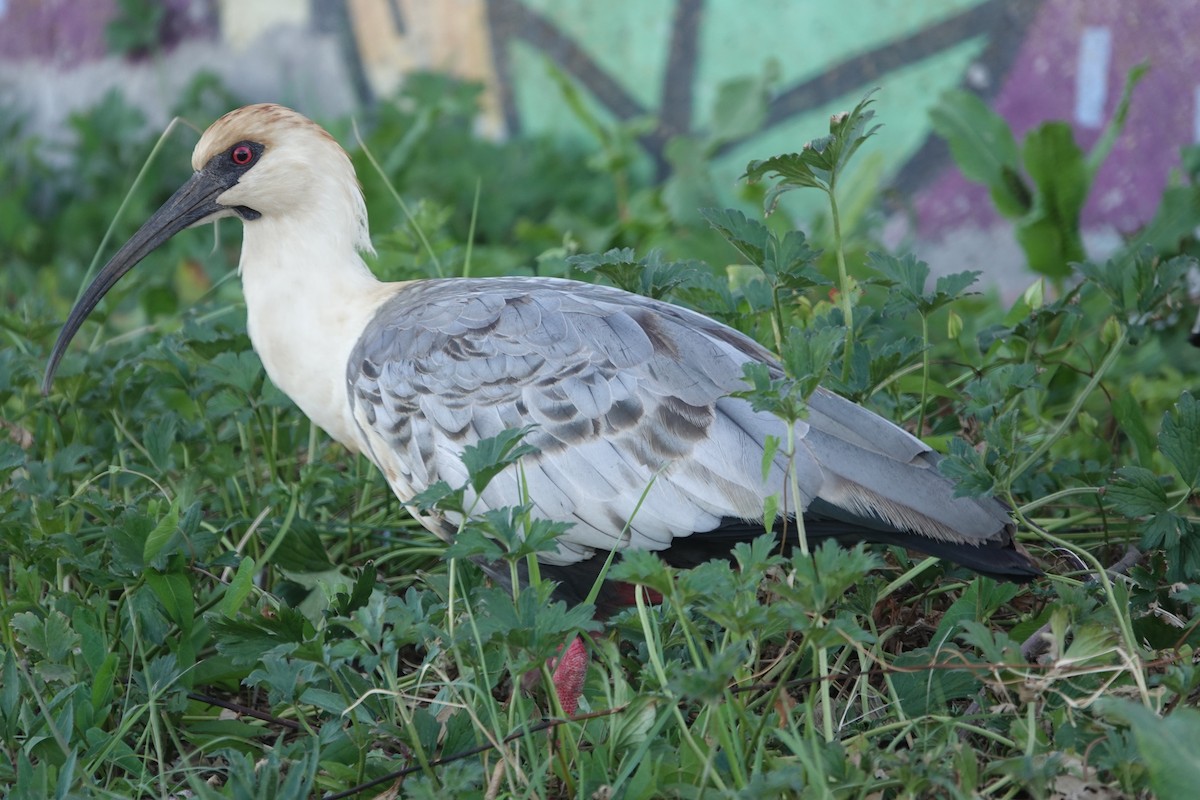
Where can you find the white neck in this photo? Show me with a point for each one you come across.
(308, 298)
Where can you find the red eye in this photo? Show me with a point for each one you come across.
(242, 155)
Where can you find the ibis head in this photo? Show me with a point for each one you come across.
(308, 292)
(261, 162)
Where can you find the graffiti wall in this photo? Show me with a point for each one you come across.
(665, 62)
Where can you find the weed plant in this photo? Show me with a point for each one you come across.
(202, 596)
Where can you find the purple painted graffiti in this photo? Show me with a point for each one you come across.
(65, 33)
(1044, 84)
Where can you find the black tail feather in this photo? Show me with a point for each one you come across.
(1002, 560)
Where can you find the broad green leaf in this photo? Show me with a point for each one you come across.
(162, 533)
(643, 568)
(1165, 529)
(239, 588)
(10, 686)
(439, 495)
(790, 262)
(1088, 642)
(1132, 418)
(930, 691)
(1046, 245)
(174, 591)
(1050, 233)
(1177, 215)
(11, 455)
(983, 147)
(739, 110)
(955, 284)
(977, 603)
(284, 678)
(916, 385)
(689, 185)
(1166, 745)
(303, 549)
(771, 446)
(1179, 438)
(808, 353)
(907, 276)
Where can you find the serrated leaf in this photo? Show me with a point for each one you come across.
(439, 495)
(51, 635)
(488, 457)
(1165, 529)
(967, 469)
(240, 370)
(905, 274)
(770, 448)
(1087, 642)
(1178, 214)
(807, 354)
(1179, 438)
(364, 585)
(749, 237)
(246, 640)
(978, 602)
(1137, 492)
(818, 164)
(907, 277)
(790, 263)
(284, 678)
(956, 284)
(643, 568)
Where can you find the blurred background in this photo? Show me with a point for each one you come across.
(673, 94)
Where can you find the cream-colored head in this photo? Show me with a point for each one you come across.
(300, 172)
(291, 184)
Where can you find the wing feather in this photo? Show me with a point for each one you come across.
(639, 441)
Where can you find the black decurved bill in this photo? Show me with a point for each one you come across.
(195, 201)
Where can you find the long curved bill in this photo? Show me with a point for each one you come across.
(194, 202)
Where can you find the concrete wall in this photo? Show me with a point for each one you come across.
(1033, 60)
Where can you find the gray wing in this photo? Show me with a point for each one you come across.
(639, 441)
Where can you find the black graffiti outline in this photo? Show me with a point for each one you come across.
(1004, 22)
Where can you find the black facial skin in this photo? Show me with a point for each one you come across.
(195, 201)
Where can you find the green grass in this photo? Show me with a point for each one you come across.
(201, 593)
